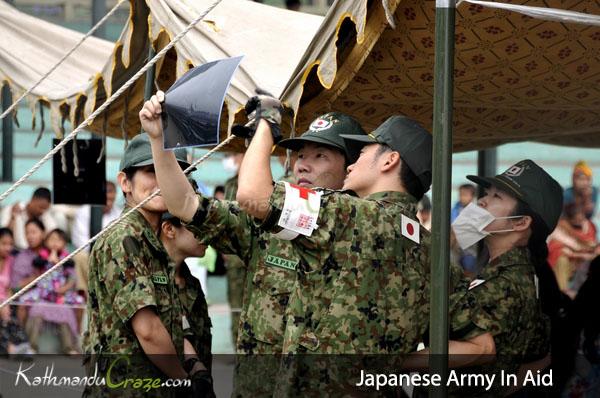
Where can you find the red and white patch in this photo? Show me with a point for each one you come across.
(411, 229)
(320, 124)
(300, 209)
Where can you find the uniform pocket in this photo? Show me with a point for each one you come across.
(267, 303)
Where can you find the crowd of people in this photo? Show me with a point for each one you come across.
(333, 259)
(34, 237)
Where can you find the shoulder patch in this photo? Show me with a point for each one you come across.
(131, 245)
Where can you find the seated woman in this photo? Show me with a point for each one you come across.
(23, 271)
(53, 294)
(13, 339)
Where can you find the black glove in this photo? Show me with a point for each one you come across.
(202, 384)
(262, 106)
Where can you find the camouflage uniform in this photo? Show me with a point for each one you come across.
(236, 272)
(363, 288)
(505, 305)
(269, 281)
(270, 264)
(195, 308)
(129, 270)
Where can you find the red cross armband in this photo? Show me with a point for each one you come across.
(299, 213)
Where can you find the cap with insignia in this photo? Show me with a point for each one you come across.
(327, 130)
(405, 136)
(139, 153)
(531, 184)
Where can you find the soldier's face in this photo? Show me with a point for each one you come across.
(140, 187)
(186, 243)
(500, 204)
(363, 173)
(319, 166)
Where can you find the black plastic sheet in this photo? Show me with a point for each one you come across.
(192, 107)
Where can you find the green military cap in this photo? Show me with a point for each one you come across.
(139, 153)
(531, 184)
(405, 136)
(327, 129)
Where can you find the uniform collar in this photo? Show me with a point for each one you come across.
(138, 218)
(392, 196)
(514, 257)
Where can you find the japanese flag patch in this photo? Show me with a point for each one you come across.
(411, 229)
(300, 209)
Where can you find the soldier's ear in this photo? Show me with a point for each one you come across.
(392, 160)
(521, 224)
(167, 230)
(124, 182)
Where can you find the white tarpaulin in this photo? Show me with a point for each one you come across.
(271, 39)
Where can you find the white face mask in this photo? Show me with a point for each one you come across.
(229, 164)
(470, 224)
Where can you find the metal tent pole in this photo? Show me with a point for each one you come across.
(442, 178)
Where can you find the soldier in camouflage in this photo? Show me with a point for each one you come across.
(236, 269)
(363, 284)
(181, 244)
(271, 262)
(133, 305)
(500, 312)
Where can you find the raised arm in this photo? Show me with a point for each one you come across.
(255, 184)
(179, 196)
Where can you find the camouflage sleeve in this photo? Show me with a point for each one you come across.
(223, 225)
(130, 278)
(485, 308)
(455, 276)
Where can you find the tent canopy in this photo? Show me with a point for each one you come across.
(234, 27)
(516, 78)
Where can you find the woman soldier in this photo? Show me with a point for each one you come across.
(501, 312)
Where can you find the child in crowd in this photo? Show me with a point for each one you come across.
(13, 339)
(54, 292)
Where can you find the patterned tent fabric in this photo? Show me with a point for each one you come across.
(516, 78)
